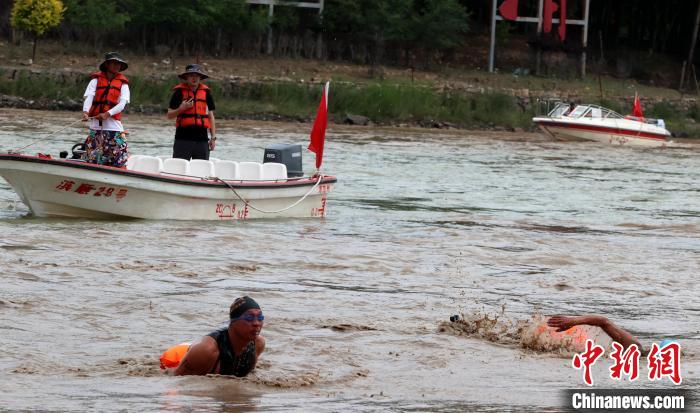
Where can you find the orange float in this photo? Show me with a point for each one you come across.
(172, 357)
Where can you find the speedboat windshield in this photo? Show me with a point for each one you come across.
(579, 111)
(559, 110)
(593, 111)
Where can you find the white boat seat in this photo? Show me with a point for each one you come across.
(226, 169)
(176, 166)
(164, 157)
(201, 168)
(215, 160)
(249, 171)
(148, 164)
(274, 171)
(130, 161)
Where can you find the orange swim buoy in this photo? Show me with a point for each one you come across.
(173, 356)
(576, 334)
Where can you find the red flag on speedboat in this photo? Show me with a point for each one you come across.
(562, 20)
(318, 131)
(509, 9)
(549, 8)
(637, 107)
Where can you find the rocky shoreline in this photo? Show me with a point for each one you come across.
(17, 102)
(526, 99)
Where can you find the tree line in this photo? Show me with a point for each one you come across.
(363, 31)
(399, 32)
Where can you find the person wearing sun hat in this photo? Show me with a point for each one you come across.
(106, 96)
(233, 349)
(193, 107)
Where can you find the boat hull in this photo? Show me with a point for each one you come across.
(615, 135)
(63, 188)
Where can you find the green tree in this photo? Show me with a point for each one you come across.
(97, 17)
(441, 25)
(366, 24)
(36, 16)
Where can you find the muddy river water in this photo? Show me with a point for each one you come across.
(422, 225)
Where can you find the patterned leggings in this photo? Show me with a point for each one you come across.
(106, 148)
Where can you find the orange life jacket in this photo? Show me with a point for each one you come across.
(173, 356)
(197, 115)
(107, 93)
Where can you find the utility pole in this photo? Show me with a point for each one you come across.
(692, 47)
(271, 12)
(538, 20)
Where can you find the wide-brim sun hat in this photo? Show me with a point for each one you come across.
(194, 68)
(114, 56)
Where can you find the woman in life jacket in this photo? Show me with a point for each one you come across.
(106, 97)
(193, 108)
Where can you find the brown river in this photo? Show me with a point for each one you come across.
(502, 229)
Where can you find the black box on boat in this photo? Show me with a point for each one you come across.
(288, 154)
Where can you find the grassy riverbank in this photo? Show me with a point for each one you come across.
(383, 102)
(290, 90)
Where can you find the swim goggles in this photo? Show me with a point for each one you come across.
(249, 317)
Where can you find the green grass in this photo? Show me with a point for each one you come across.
(36, 87)
(381, 101)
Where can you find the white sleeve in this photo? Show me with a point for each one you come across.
(124, 98)
(89, 95)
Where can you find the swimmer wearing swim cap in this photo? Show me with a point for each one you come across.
(231, 350)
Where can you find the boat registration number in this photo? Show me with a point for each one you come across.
(87, 189)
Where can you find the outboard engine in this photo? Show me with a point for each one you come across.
(287, 154)
(76, 151)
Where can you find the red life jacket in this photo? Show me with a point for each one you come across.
(197, 115)
(107, 93)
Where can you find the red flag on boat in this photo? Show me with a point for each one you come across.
(509, 9)
(637, 107)
(549, 8)
(318, 131)
(562, 20)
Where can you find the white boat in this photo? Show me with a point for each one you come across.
(595, 123)
(154, 188)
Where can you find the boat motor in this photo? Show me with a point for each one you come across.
(77, 151)
(287, 154)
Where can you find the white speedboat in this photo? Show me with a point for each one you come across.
(158, 188)
(595, 123)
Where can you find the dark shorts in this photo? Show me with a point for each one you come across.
(185, 149)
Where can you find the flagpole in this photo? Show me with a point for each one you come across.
(492, 47)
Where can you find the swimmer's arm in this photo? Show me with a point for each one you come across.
(259, 347)
(200, 359)
(618, 334)
(563, 323)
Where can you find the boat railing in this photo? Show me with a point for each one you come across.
(649, 121)
(593, 112)
(545, 107)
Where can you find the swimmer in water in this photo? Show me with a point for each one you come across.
(562, 323)
(232, 350)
